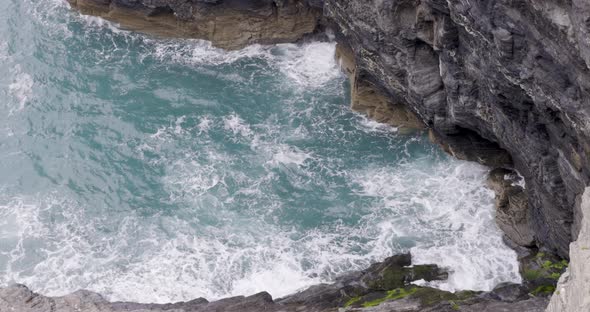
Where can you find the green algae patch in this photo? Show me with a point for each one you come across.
(531, 274)
(432, 296)
(374, 299)
(394, 294)
(555, 276)
(543, 266)
(543, 290)
(352, 301)
(425, 295)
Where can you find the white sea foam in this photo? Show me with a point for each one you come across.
(57, 245)
(370, 125)
(311, 65)
(237, 126)
(448, 211)
(306, 65)
(21, 88)
(287, 155)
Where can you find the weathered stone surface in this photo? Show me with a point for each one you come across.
(229, 24)
(573, 289)
(512, 213)
(368, 99)
(488, 75)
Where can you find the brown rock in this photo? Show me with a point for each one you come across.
(372, 102)
(226, 25)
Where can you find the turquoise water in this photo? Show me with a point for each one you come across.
(162, 170)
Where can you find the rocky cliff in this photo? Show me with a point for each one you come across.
(489, 76)
(229, 24)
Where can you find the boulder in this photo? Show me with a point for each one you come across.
(512, 210)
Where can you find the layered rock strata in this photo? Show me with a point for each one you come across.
(368, 99)
(512, 213)
(229, 24)
(487, 77)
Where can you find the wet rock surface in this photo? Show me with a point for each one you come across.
(384, 286)
(512, 213)
(229, 24)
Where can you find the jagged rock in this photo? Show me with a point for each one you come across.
(395, 272)
(512, 210)
(467, 145)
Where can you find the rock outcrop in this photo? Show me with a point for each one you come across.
(369, 100)
(385, 286)
(512, 213)
(573, 289)
(228, 24)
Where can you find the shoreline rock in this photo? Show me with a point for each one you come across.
(512, 210)
(384, 286)
(227, 24)
(367, 99)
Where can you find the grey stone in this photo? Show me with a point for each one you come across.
(572, 293)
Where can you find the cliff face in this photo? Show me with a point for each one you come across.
(487, 76)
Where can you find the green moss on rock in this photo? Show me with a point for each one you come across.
(543, 290)
(352, 301)
(432, 296)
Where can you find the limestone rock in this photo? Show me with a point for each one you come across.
(573, 289)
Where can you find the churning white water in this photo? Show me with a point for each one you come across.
(157, 170)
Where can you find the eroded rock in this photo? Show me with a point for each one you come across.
(227, 24)
(487, 77)
(368, 99)
(512, 210)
